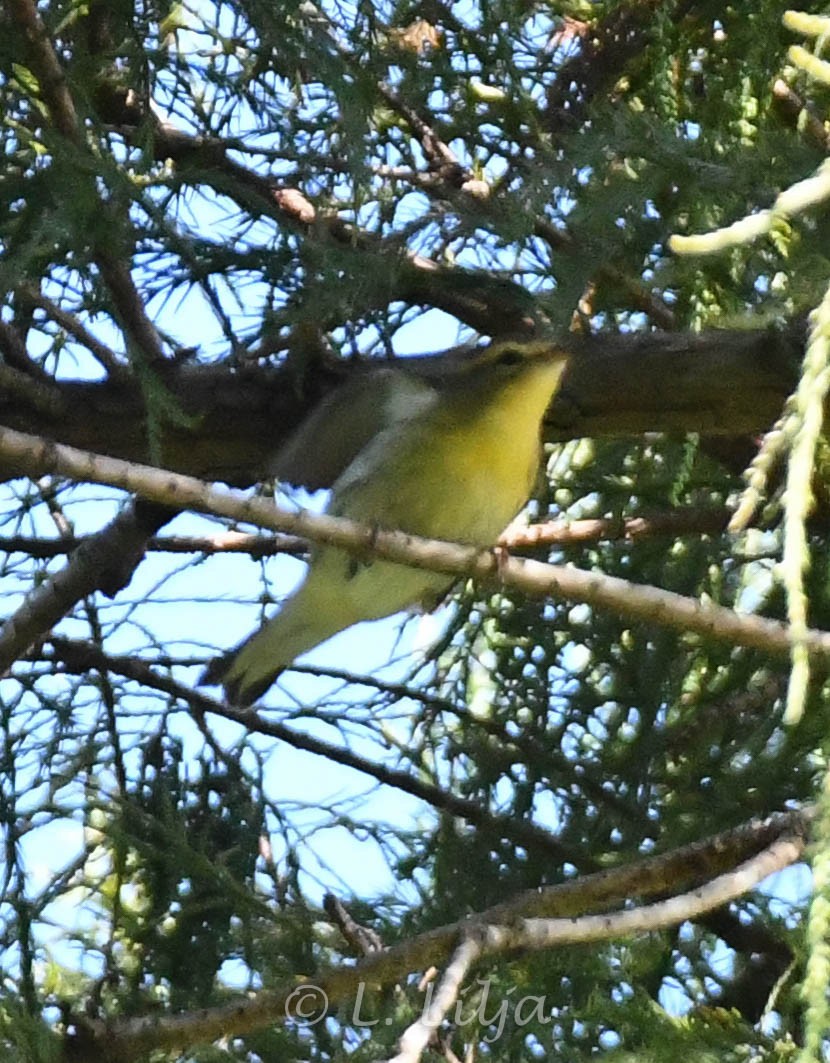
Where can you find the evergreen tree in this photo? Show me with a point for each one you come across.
(547, 826)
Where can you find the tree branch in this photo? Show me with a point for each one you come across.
(363, 939)
(490, 305)
(106, 357)
(80, 656)
(685, 521)
(538, 933)
(741, 858)
(415, 1039)
(105, 561)
(719, 384)
(647, 604)
(115, 272)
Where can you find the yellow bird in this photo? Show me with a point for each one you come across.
(454, 460)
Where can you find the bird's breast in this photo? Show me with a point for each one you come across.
(459, 472)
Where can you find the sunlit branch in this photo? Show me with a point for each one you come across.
(36, 457)
(739, 860)
(416, 1038)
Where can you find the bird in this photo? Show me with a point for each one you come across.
(454, 460)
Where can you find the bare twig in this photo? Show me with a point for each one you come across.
(226, 542)
(417, 1037)
(70, 323)
(363, 939)
(688, 521)
(691, 521)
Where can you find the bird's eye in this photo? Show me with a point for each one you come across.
(510, 356)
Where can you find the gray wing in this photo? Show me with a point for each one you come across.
(333, 436)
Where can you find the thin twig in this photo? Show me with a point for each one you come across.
(415, 1039)
(691, 521)
(363, 939)
(105, 356)
(688, 521)
(226, 542)
(15, 355)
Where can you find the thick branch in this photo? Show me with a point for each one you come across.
(761, 846)
(548, 933)
(105, 562)
(719, 384)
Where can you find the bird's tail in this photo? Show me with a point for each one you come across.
(247, 671)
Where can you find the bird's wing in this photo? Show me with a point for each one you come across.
(330, 439)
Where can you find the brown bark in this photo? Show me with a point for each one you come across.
(720, 384)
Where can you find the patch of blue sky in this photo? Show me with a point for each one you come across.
(789, 891)
(547, 810)
(59, 845)
(73, 361)
(434, 328)
(674, 997)
(469, 12)
(337, 855)
(345, 11)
